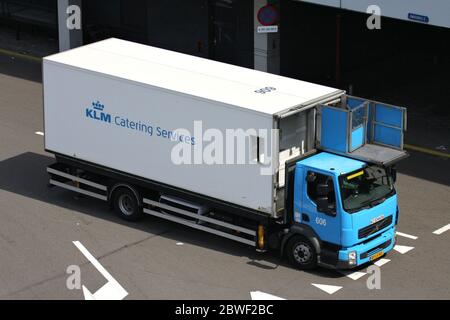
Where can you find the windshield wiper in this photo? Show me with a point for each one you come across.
(367, 203)
(353, 210)
(381, 200)
(373, 203)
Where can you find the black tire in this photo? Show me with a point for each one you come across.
(126, 205)
(301, 253)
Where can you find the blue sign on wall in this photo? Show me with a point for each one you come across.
(418, 17)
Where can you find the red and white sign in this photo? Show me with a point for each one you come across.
(268, 15)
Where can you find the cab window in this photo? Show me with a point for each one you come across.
(320, 190)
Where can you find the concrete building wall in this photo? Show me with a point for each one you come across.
(179, 25)
(369, 62)
(216, 29)
(434, 12)
(315, 43)
(70, 35)
(266, 45)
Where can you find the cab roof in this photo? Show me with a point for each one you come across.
(194, 76)
(332, 163)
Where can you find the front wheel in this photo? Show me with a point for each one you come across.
(126, 205)
(301, 253)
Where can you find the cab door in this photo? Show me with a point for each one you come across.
(319, 206)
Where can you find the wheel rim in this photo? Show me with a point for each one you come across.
(302, 253)
(126, 204)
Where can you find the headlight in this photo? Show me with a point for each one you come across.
(352, 257)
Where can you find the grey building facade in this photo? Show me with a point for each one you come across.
(316, 43)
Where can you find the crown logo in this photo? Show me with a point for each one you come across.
(98, 106)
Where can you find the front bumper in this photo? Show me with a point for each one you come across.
(364, 251)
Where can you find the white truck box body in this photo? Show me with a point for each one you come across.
(167, 90)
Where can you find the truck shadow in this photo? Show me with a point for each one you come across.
(20, 68)
(26, 175)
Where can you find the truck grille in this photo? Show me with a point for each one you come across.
(373, 228)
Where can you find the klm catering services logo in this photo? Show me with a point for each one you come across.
(96, 112)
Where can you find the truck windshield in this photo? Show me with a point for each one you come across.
(365, 188)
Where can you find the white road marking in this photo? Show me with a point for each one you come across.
(112, 290)
(327, 288)
(403, 249)
(39, 133)
(179, 243)
(259, 295)
(442, 230)
(406, 235)
(381, 262)
(353, 275)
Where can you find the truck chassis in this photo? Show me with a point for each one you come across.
(222, 219)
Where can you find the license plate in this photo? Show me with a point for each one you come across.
(376, 255)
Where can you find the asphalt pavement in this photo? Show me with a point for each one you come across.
(157, 259)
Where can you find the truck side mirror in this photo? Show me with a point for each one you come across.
(311, 178)
(394, 174)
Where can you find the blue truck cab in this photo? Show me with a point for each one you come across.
(349, 205)
(345, 208)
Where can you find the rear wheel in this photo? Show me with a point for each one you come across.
(301, 253)
(126, 204)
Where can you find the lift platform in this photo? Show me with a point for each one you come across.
(362, 129)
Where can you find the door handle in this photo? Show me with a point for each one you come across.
(305, 217)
